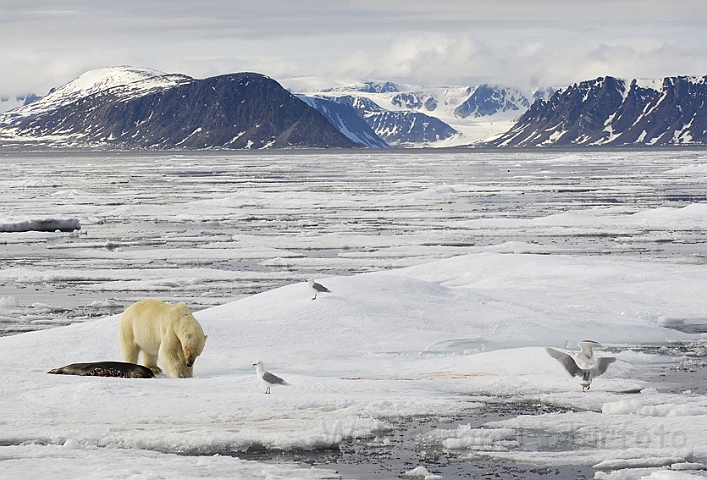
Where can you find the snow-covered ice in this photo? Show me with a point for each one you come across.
(417, 341)
(420, 330)
(210, 227)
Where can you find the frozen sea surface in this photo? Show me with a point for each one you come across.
(450, 272)
(213, 227)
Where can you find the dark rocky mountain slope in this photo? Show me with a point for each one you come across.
(614, 112)
(398, 128)
(346, 120)
(237, 111)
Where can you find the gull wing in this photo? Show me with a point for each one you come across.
(586, 348)
(319, 287)
(601, 365)
(566, 360)
(274, 379)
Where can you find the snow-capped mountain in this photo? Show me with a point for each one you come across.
(346, 120)
(373, 114)
(367, 87)
(123, 82)
(405, 115)
(613, 111)
(488, 101)
(398, 128)
(125, 107)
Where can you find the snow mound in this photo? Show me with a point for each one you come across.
(421, 473)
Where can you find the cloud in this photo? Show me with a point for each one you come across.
(522, 57)
(310, 42)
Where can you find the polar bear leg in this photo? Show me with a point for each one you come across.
(128, 350)
(173, 366)
(129, 353)
(150, 361)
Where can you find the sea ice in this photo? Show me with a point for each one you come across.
(449, 275)
(383, 345)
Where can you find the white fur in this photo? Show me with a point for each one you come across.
(164, 331)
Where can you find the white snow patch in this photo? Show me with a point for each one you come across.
(700, 169)
(421, 473)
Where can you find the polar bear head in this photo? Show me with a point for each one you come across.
(190, 334)
(192, 346)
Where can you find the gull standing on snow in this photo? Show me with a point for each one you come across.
(267, 378)
(316, 287)
(580, 364)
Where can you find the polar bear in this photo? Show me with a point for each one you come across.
(164, 331)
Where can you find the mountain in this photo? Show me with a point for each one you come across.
(396, 128)
(140, 108)
(408, 115)
(409, 128)
(399, 128)
(346, 120)
(126, 107)
(367, 87)
(124, 82)
(486, 100)
(616, 112)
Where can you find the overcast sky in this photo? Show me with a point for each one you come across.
(319, 43)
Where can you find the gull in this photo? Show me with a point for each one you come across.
(267, 378)
(579, 364)
(586, 353)
(316, 287)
